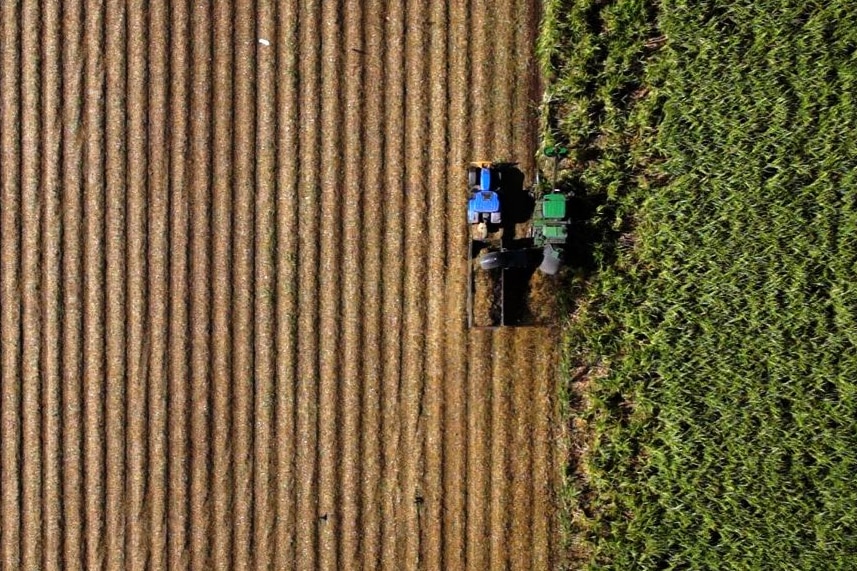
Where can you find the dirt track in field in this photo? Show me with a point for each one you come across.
(232, 303)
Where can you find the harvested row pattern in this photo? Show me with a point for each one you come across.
(233, 288)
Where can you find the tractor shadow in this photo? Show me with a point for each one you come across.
(518, 204)
(518, 208)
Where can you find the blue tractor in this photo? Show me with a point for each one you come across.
(483, 207)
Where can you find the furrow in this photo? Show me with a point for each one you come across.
(136, 547)
(371, 438)
(525, 357)
(482, 80)
(545, 472)
(10, 317)
(200, 286)
(309, 256)
(499, 129)
(535, 479)
(483, 357)
(72, 283)
(415, 218)
(353, 187)
(434, 533)
(456, 455)
(244, 178)
(482, 368)
(330, 231)
(265, 325)
(93, 287)
(51, 301)
(392, 520)
(498, 498)
(158, 253)
(478, 448)
(178, 398)
(527, 91)
(115, 196)
(287, 199)
(221, 269)
(31, 199)
(437, 546)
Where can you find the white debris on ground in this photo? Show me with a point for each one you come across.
(264, 42)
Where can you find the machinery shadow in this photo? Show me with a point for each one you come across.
(517, 287)
(518, 204)
(592, 241)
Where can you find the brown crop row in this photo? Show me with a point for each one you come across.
(233, 264)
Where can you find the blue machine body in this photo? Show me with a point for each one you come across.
(483, 201)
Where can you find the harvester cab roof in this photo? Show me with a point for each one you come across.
(551, 225)
(554, 206)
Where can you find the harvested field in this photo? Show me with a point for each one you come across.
(233, 288)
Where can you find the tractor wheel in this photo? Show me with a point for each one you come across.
(472, 177)
(491, 261)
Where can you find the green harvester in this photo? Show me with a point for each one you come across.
(550, 219)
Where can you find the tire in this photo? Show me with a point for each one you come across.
(491, 261)
(472, 177)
